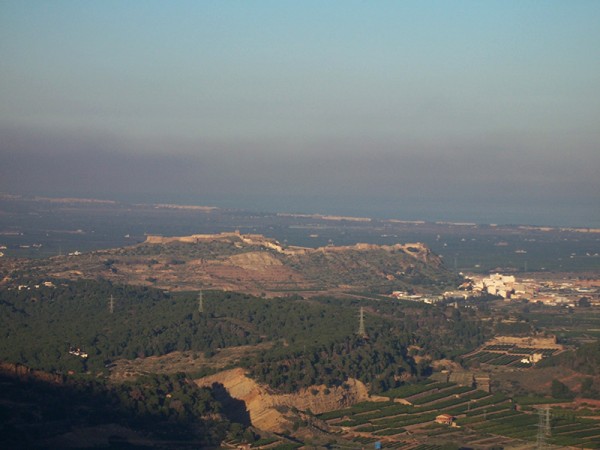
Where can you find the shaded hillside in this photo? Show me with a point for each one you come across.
(152, 412)
(253, 263)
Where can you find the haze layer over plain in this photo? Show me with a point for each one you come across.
(465, 111)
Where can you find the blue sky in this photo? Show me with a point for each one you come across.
(396, 109)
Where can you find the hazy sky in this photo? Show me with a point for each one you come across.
(485, 111)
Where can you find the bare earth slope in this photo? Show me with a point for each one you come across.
(255, 264)
(265, 407)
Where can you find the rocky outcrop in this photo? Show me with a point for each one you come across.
(528, 341)
(272, 411)
(254, 260)
(24, 373)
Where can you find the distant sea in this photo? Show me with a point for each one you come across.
(488, 212)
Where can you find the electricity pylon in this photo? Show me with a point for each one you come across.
(361, 325)
(544, 428)
(200, 302)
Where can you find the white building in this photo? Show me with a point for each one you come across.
(496, 284)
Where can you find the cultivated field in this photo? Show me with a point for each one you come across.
(481, 419)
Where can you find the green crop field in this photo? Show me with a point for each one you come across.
(479, 416)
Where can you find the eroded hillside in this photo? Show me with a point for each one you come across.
(271, 411)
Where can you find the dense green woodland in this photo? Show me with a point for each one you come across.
(397, 332)
(314, 340)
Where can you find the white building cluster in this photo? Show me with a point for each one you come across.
(557, 292)
(403, 295)
(496, 284)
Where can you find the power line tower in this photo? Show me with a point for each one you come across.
(544, 428)
(111, 304)
(361, 324)
(200, 302)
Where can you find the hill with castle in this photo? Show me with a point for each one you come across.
(255, 264)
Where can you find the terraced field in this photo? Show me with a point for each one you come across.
(481, 419)
(507, 355)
